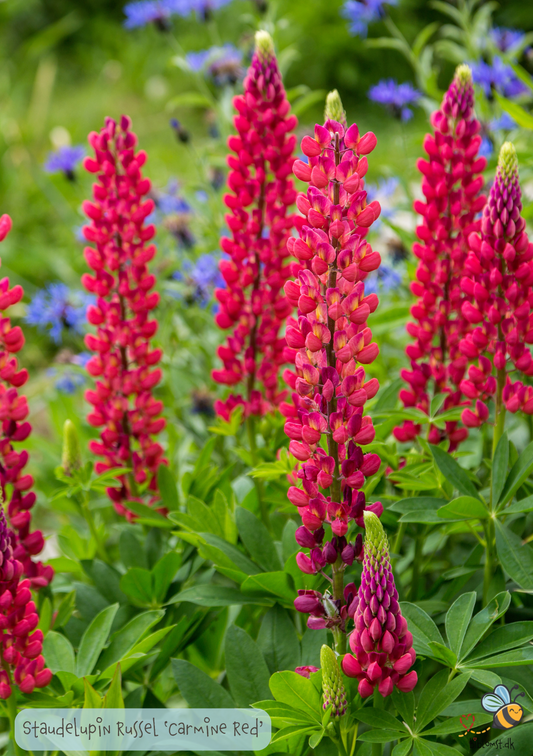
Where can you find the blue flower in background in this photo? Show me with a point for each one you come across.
(385, 280)
(201, 277)
(174, 213)
(81, 359)
(396, 97)
(503, 123)
(361, 13)
(486, 148)
(498, 76)
(383, 191)
(144, 12)
(57, 307)
(203, 8)
(64, 160)
(67, 381)
(507, 39)
(222, 64)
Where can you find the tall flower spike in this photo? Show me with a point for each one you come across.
(381, 643)
(253, 305)
(332, 684)
(499, 288)
(328, 344)
(15, 428)
(21, 645)
(451, 181)
(125, 361)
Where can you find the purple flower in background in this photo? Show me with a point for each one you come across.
(361, 13)
(385, 280)
(222, 64)
(174, 213)
(201, 277)
(181, 132)
(64, 160)
(498, 76)
(203, 8)
(506, 39)
(158, 12)
(81, 359)
(67, 381)
(486, 148)
(503, 123)
(57, 307)
(396, 97)
(383, 190)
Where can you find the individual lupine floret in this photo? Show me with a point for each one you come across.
(253, 304)
(328, 344)
(451, 183)
(332, 685)
(382, 645)
(15, 428)
(125, 360)
(499, 287)
(21, 644)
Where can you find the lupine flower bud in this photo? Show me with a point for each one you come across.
(71, 448)
(334, 110)
(328, 345)
(499, 281)
(451, 182)
(21, 644)
(253, 305)
(381, 643)
(332, 684)
(125, 362)
(14, 410)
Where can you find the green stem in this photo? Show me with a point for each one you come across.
(250, 428)
(499, 425)
(89, 519)
(399, 538)
(419, 545)
(377, 748)
(338, 594)
(12, 710)
(489, 554)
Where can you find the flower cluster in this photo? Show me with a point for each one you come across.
(382, 645)
(159, 12)
(253, 304)
(21, 645)
(396, 97)
(125, 362)
(498, 284)
(57, 308)
(200, 279)
(328, 345)
(451, 184)
(497, 76)
(13, 413)
(361, 13)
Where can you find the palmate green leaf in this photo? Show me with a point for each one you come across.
(94, 640)
(289, 732)
(457, 620)
(278, 640)
(417, 504)
(164, 573)
(520, 471)
(481, 622)
(217, 595)
(126, 638)
(167, 488)
(449, 726)
(515, 658)
(59, 653)
(284, 712)
(516, 558)
(517, 507)
(148, 516)
(521, 737)
(488, 679)
(453, 472)
(500, 464)
(443, 654)
(439, 749)
(226, 554)
(403, 748)
(516, 111)
(404, 704)
(137, 585)
(198, 689)
(257, 540)
(503, 639)
(272, 584)
(464, 508)
(422, 627)
(298, 692)
(380, 718)
(437, 695)
(380, 736)
(246, 668)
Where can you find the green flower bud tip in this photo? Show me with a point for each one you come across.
(463, 75)
(375, 538)
(71, 448)
(334, 109)
(264, 46)
(507, 161)
(332, 684)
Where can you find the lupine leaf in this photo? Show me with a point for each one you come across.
(297, 691)
(422, 627)
(379, 736)
(453, 472)
(59, 653)
(126, 638)
(437, 695)
(246, 668)
(514, 658)
(379, 718)
(217, 595)
(257, 540)
(457, 620)
(481, 622)
(520, 471)
(198, 689)
(516, 558)
(504, 638)
(278, 640)
(464, 508)
(94, 639)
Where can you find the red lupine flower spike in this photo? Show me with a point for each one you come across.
(253, 304)
(328, 344)
(13, 413)
(499, 281)
(125, 360)
(21, 644)
(451, 181)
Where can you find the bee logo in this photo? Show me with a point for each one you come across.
(507, 713)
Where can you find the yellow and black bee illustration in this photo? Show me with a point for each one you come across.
(507, 713)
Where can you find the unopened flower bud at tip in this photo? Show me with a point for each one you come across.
(264, 46)
(508, 161)
(334, 110)
(463, 75)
